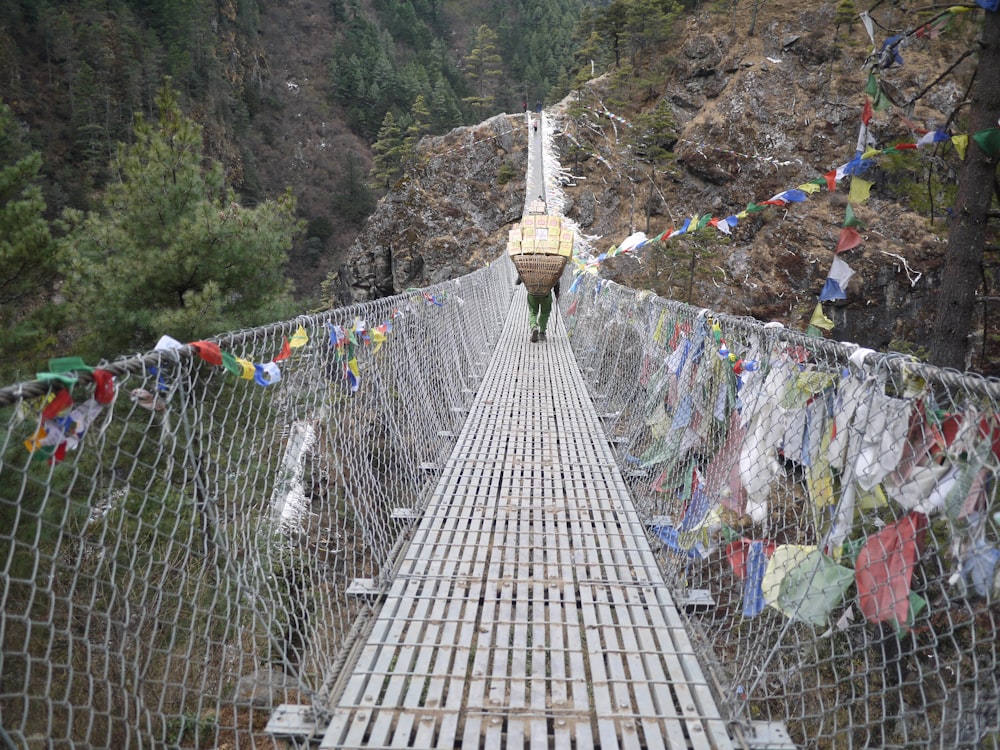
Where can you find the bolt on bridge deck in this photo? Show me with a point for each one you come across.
(528, 609)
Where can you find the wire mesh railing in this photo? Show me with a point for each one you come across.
(187, 537)
(180, 532)
(828, 514)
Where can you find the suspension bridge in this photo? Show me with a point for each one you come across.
(403, 524)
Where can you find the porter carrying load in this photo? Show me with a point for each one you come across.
(539, 247)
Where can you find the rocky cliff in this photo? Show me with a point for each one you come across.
(753, 115)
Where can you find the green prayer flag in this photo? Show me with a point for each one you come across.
(871, 86)
(69, 364)
(753, 208)
(988, 141)
(850, 220)
(880, 102)
(230, 363)
(810, 591)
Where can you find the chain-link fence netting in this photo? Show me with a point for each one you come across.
(180, 532)
(828, 514)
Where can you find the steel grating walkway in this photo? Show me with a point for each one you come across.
(528, 610)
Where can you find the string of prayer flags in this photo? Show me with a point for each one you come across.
(63, 423)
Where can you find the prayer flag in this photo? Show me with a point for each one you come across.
(820, 320)
(884, 569)
(285, 353)
(267, 374)
(247, 369)
(104, 386)
(299, 338)
(231, 364)
(988, 141)
(208, 351)
(849, 238)
(860, 189)
(850, 220)
(960, 142)
(836, 281)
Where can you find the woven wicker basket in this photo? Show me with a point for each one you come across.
(539, 271)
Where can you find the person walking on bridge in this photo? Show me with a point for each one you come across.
(539, 310)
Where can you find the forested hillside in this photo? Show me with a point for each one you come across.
(298, 117)
(285, 96)
(804, 165)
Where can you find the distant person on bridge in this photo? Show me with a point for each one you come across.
(539, 310)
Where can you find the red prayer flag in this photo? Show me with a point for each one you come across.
(60, 402)
(849, 238)
(208, 351)
(866, 113)
(884, 568)
(104, 386)
(285, 353)
(737, 552)
(831, 180)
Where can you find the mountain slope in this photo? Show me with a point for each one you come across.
(752, 116)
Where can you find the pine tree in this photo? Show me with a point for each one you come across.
(388, 151)
(28, 256)
(483, 69)
(419, 127)
(169, 250)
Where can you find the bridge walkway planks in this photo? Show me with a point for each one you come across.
(528, 610)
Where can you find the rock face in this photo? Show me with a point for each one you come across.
(753, 116)
(448, 215)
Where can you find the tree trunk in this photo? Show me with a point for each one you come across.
(962, 272)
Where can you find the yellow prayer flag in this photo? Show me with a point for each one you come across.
(378, 338)
(658, 333)
(248, 370)
(820, 320)
(809, 188)
(859, 190)
(960, 142)
(299, 338)
(871, 153)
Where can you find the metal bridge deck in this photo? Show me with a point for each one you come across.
(528, 610)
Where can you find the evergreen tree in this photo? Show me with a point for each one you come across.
(28, 259)
(483, 69)
(388, 150)
(445, 112)
(419, 127)
(169, 249)
(353, 201)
